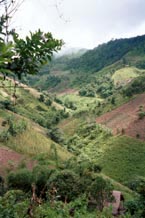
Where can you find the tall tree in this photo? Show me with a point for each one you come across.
(18, 55)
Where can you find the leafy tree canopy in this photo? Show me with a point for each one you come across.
(27, 55)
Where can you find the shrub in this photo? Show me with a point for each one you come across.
(83, 92)
(57, 100)
(4, 136)
(17, 127)
(87, 91)
(41, 174)
(2, 188)
(141, 115)
(137, 135)
(66, 183)
(70, 104)
(113, 100)
(22, 179)
(7, 104)
(55, 134)
(132, 206)
(135, 87)
(41, 98)
(14, 204)
(97, 168)
(48, 102)
(100, 190)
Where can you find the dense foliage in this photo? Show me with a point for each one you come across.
(136, 87)
(106, 54)
(27, 55)
(81, 185)
(61, 193)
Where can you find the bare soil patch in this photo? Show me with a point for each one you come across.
(10, 160)
(125, 119)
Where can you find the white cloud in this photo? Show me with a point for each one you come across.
(83, 23)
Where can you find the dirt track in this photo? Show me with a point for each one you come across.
(125, 118)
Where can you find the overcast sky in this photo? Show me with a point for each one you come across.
(83, 23)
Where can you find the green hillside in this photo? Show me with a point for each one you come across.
(86, 94)
(72, 124)
(121, 157)
(27, 121)
(126, 157)
(125, 75)
(94, 68)
(55, 126)
(90, 85)
(108, 53)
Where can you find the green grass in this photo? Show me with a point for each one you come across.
(34, 143)
(124, 75)
(82, 103)
(110, 69)
(69, 126)
(29, 106)
(123, 159)
(34, 140)
(127, 193)
(3, 113)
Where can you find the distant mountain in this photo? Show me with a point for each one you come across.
(108, 53)
(125, 58)
(61, 59)
(75, 52)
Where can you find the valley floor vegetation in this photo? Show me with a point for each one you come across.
(72, 161)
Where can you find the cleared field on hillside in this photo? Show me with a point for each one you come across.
(81, 103)
(10, 160)
(32, 142)
(125, 119)
(123, 159)
(125, 75)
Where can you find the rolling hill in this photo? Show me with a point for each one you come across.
(23, 130)
(67, 72)
(88, 111)
(109, 53)
(127, 119)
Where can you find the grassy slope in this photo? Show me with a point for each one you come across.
(127, 193)
(121, 157)
(69, 126)
(106, 58)
(81, 103)
(124, 75)
(117, 155)
(34, 143)
(34, 140)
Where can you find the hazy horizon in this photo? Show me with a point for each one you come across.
(82, 24)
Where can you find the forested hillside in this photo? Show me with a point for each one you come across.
(102, 92)
(107, 54)
(72, 134)
(93, 67)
